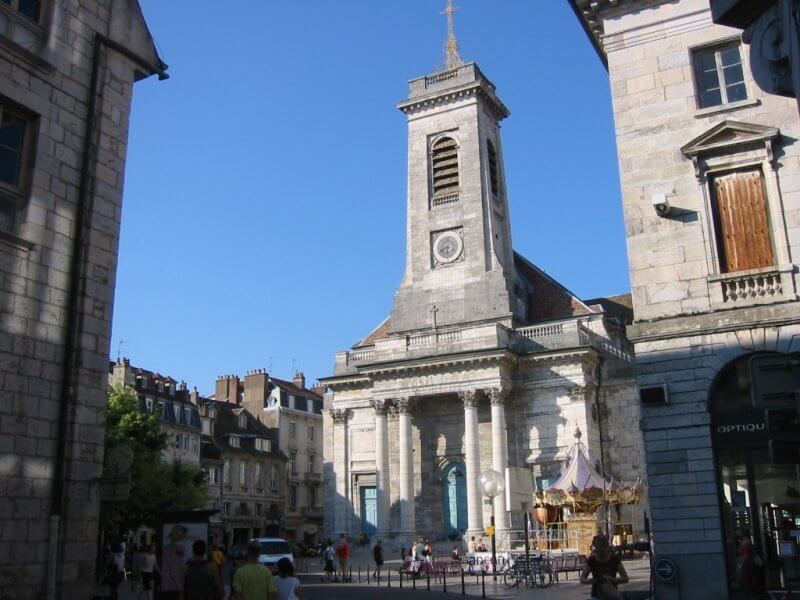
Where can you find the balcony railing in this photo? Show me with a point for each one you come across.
(750, 288)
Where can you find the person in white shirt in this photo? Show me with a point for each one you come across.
(288, 584)
(150, 571)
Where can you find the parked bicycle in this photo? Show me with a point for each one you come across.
(539, 571)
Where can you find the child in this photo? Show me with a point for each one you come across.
(288, 584)
(328, 557)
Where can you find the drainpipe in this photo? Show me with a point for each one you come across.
(71, 362)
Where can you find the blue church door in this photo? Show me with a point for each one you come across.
(454, 499)
(369, 510)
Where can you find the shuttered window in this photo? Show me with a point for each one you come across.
(444, 163)
(743, 232)
(494, 178)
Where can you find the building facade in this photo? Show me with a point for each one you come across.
(244, 474)
(484, 362)
(171, 401)
(295, 414)
(710, 176)
(66, 80)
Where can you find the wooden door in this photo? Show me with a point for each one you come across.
(743, 230)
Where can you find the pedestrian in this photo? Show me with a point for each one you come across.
(606, 570)
(342, 554)
(377, 555)
(455, 554)
(288, 584)
(150, 571)
(471, 545)
(200, 577)
(253, 581)
(218, 557)
(419, 550)
(403, 554)
(115, 568)
(427, 551)
(327, 556)
(748, 571)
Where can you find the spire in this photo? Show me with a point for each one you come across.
(452, 59)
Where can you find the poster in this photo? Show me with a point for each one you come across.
(177, 549)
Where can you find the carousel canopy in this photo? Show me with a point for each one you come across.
(583, 487)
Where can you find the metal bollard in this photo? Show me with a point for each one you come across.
(444, 582)
(413, 582)
(463, 589)
(368, 570)
(388, 579)
(483, 585)
(400, 574)
(359, 573)
(428, 578)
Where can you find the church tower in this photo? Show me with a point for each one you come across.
(459, 258)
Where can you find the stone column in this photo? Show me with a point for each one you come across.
(498, 398)
(472, 462)
(382, 466)
(340, 468)
(408, 516)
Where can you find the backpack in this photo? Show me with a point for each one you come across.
(198, 583)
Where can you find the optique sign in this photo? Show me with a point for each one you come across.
(741, 428)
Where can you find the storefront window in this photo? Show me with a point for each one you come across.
(756, 495)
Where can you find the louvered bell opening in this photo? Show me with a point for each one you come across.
(444, 159)
(495, 182)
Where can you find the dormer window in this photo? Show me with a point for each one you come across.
(242, 420)
(263, 444)
(212, 412)
(234, 441)
(444, 171)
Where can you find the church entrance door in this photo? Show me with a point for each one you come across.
(369, 510)
(454, 500)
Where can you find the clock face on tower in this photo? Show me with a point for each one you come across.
(448, 247)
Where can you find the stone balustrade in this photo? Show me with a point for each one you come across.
(749, 288)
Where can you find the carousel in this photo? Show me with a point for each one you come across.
(578, 505)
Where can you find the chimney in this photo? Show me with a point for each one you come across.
(227, 389)
(194, 396)
(300, 380)
(256, 391)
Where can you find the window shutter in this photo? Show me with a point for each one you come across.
(444, 160)
(742, 225)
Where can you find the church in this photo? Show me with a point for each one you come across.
(485, 361)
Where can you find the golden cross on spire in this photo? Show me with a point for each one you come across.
(452, 59)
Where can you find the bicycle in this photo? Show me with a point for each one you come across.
(539, 571)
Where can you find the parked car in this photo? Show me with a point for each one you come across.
(272, 550)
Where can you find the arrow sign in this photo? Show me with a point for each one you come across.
(666, 570)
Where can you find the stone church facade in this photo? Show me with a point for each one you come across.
(485, 360)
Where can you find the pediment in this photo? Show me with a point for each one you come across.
(729, 134)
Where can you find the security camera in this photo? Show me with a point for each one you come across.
(661, 204)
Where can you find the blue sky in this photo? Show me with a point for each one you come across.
(264, 212)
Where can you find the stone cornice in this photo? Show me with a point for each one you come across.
(756, 317)
(494, 355)
(479, 89)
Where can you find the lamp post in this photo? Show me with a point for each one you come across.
(492, 484)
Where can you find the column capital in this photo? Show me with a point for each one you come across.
(339, 415)
(469, 398)
(404, 404)
(498, 396)
(381, 406)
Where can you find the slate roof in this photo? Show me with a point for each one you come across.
(619, 307)
(293, 389)
(226, 423)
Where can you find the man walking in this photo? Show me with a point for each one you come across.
(201, 578)
(342, 554)
(253, 581)
(377, 555)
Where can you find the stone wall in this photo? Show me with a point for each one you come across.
(49, 80)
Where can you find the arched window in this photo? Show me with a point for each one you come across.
(494, 179)
(444, 167)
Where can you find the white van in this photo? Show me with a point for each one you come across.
(272, 550)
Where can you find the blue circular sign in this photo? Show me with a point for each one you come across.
(665, 569)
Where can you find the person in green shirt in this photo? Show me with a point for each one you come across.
(253, 581)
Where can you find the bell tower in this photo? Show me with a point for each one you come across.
(459, 257)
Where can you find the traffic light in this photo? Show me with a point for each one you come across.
(783, 428)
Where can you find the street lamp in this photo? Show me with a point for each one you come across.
(492, 484)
